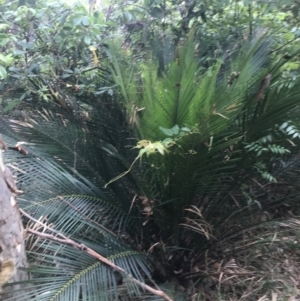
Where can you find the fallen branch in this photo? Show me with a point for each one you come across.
(67, 241)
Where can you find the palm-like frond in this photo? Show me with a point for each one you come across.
(55, 192)
(219, 117)
(86, 218)
(78, 276)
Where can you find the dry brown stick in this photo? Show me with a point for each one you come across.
(67, 241)
(263, 86)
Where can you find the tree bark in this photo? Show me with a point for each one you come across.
(12, 247)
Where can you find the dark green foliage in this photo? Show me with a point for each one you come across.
(154, 159)
(208, 139)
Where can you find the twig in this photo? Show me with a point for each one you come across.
(250, 18)
(282, 46)
(75, 158)
(67, 241)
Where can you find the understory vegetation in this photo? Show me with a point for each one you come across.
(155, 146)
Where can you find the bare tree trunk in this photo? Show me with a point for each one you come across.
(12, 248)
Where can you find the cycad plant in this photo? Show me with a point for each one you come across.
(127, 204)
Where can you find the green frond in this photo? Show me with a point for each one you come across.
(201, 165)
(70, 146)
(74, 214)
(82, 151)
(70, 272)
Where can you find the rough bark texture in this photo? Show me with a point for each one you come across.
(12, 248)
